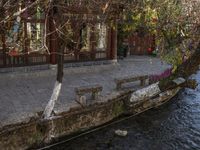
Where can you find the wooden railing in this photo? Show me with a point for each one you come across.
(23, 60)
(86, 56)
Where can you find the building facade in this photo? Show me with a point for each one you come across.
(32, 37)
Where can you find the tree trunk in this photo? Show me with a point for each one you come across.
(57, 88)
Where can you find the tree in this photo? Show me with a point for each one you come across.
(15, 13)
(176, 24)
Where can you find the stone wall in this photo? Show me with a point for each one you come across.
(37, 131)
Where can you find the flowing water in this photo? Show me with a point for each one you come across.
(173, 126)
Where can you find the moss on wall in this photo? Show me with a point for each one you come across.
(118, 109)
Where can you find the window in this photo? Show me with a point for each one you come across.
(101, 36)
(85, 38)
(24, 36)
(27, 27)
(101, 39)
(14, 38)
(35, 29)
(35, 35)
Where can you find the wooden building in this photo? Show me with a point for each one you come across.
(32, 37)
(141, 44)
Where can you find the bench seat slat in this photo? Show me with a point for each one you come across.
(131, 79)
(88, 89)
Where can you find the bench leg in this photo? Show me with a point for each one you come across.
(81, 99)
(119, 86)
(150, 82)
(142, 82)
(95, 95)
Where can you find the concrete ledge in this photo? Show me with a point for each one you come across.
(72, 66)
(24, 69)
(90, 63)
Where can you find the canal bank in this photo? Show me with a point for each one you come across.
(172, 126)
(32, 134)
(35, 131)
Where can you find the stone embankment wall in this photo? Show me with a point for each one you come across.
(37, 131)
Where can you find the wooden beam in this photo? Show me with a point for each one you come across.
(114, 42)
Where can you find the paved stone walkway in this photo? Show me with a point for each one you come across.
(24, 94)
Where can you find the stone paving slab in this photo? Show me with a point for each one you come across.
(22, 95)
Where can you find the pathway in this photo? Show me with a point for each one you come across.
(24, 94)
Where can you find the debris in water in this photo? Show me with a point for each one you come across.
(121, 133)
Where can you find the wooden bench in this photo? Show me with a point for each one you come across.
(95, 90)
(129, 79)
